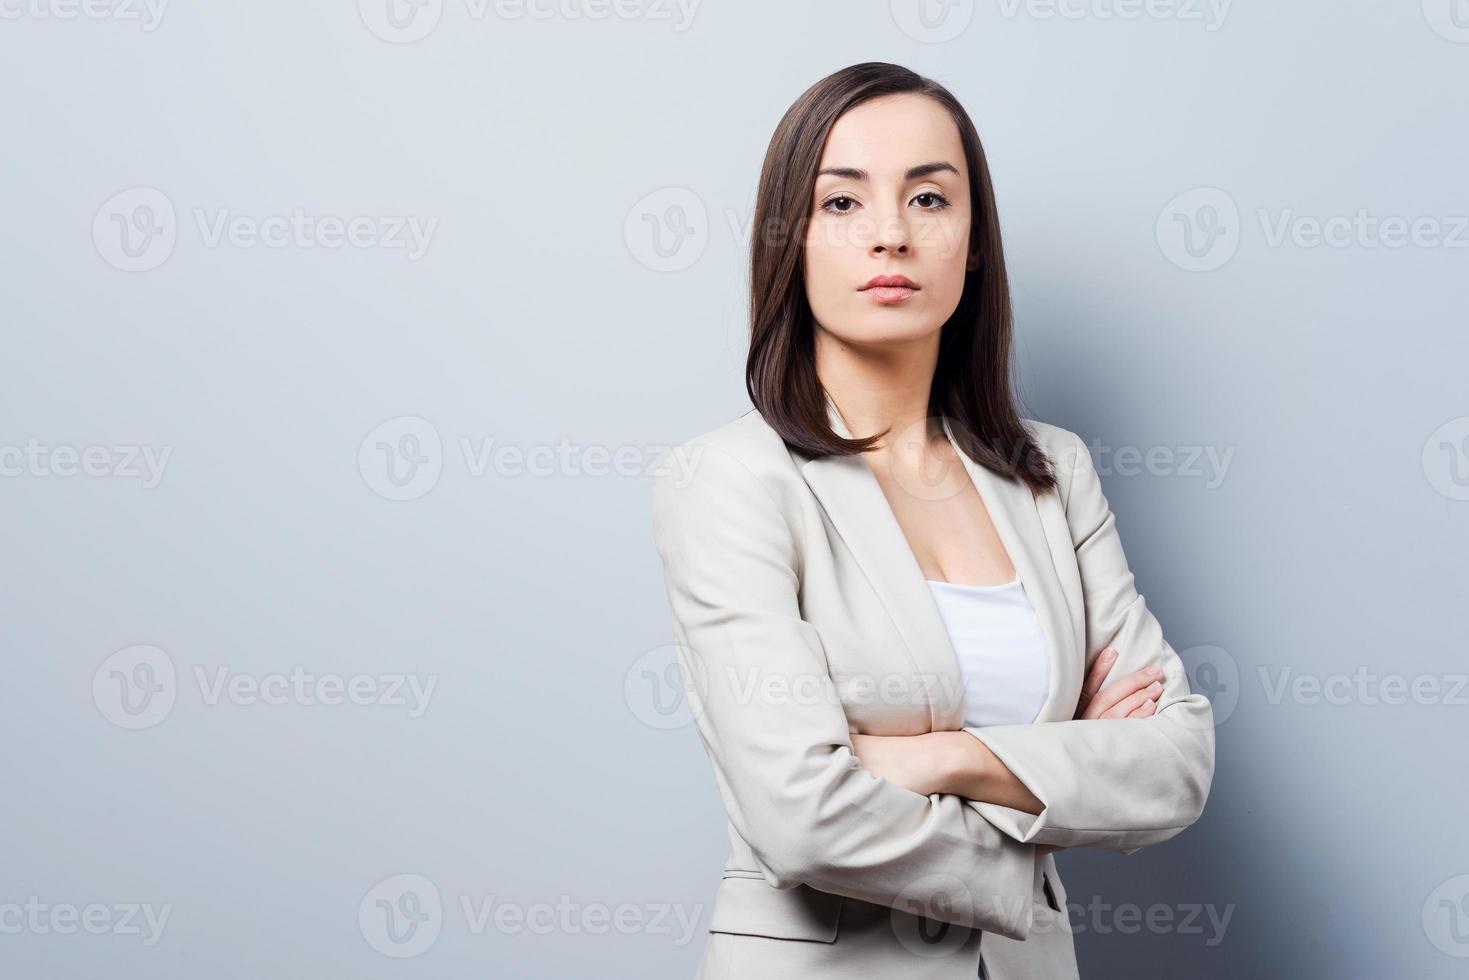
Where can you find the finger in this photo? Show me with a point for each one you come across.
(1126, 706)
(1149, 707)
(1098, 674)
(1110, 695)
(1115, 692)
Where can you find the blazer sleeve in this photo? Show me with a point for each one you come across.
(1114, 784)
(770, 720)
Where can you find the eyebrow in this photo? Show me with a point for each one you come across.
(913, 173)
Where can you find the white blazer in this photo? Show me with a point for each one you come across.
(801, 615)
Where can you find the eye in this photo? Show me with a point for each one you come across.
(829, 205)
(843, 204)
(938, 201)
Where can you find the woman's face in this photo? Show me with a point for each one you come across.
(891, 199)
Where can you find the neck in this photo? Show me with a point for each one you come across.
(879, 387)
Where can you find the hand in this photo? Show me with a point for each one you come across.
(1134, 696)
(914, 762)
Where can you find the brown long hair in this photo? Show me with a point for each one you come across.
(972, 381)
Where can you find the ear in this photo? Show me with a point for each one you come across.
(972, 262)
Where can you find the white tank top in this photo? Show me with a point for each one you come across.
(1001, 650)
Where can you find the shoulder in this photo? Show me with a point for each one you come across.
(726, 491)
(1070, 459)
(1050, 436)
(740, 458)
(747, 440)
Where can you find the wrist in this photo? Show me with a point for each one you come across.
(963, 765)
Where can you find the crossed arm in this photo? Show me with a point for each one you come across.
(792, 787)
(1076, 783)
(812, 809)
(959, 763)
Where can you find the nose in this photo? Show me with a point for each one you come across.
(891, 236)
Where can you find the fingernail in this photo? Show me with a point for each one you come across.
(1155, 687)
(1108, 653)
(1156, 671)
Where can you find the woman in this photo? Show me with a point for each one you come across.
(914, 650)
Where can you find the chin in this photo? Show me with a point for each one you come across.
(896, 328)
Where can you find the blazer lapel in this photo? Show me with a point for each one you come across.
(854, 502)
(1016, 515)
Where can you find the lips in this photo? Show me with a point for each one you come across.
(889, 289)
(890, 281)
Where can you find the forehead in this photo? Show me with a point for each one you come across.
(886, 136)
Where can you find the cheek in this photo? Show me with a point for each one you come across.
(829, 261)
(947, 245)
(947, 239)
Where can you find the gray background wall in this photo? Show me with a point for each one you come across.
(208, 708)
